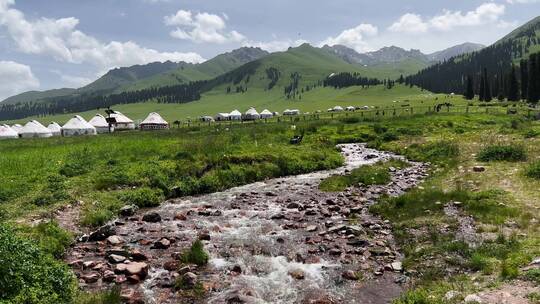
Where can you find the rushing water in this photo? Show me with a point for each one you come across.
(279, 234)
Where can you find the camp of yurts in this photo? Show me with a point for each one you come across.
(154, 121)
(266, 114)
(122, 122)
(6, 132)
(17, 128)
(34, 129)
(55, 128)
(251, 114)
(100, 123)
(235, 115)
(77, 126)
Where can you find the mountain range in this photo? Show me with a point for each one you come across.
(388, 62)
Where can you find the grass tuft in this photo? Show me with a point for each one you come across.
(499, 152)
(195, 254)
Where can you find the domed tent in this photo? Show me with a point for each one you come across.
(122, 122)
(100, 123)
(6, 132)
(235, 115)
(288, 112)
(337, 109)
(55, 128)
(34, 129)
(222, 116)
(251, 114)
(266, 114)
(350, 108)
(154, 121)
(78, 126)
(17, 128)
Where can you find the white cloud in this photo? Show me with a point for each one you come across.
(275, 45)
(15, 78)
(486, 13)
(354, 38)
(201, 28)
(60, 39)
(522, 1)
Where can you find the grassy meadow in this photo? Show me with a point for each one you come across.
(106, 172)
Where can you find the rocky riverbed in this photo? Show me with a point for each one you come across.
(278, 241)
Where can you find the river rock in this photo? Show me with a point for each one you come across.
(189, 279)
(164, 243)
(102, 233)
(138, 256)
(138, 268)
(128, 210)
(109, 276)
(473, 299)
(115, 240)
(152, 217)
(180, 216)
(170, 265)
(293, 205)
(115, 258)
(349, 275)
(397, 266)
(311, 228)
(297, 274)
(90, 278)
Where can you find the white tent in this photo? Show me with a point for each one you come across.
(291, 112)
(34, 129)
(100, 123)
(206, 118)
(17, 128)
(337, 109)
(235, 115)
(223, 116)
(154, 121)
(350, 108)
(6, 132)
(55, 128)
(122, 122)
(251, 114)
(266, 114)
(78, 126)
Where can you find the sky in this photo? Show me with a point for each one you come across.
(69, 43)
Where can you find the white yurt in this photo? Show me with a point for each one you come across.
(17, 128)
(251, 114)
(78, 126)
(350, 108)
(206, 118)
(235, 115)
(100, 123)
(154, 121)
(266, 114)
(291, 112)
(55, 128)
(35, 129)
(6, 132)
(122, 122)
(337, 109)
(222, 116)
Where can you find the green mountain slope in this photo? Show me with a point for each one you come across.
(497, 59)
(35, 95)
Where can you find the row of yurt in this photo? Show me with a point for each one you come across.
(77, 126)
(6, 132)
(154, 121)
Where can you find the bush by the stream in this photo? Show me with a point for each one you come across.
(195, 254)
(500, 152)
(144, 197)
(30, 276)
(533, 170)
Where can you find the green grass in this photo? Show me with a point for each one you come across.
(533, 170)
(195, 254)
(377, 174)
(502, 152)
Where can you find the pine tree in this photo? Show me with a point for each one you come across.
(482, 91)
(532, 95)
(487, 87)
(469, 93)
(513, 87)
(524, 68)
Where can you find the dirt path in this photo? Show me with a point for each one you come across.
(278, 241)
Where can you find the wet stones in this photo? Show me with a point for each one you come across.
(102, 233)
(180, 216)
(163, 243)
(90, 278)
(152, 217)
(311, 228)
(297, 274)
(349, 275)
(293, 205)
(115, 240)
(189, 280)
(115, 258)
(128, 210)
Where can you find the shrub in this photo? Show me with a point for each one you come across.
(501, 152)
(509, 271)
(143, 197)
(390, 136)
(97, 217)
(103, 297)
(533, 275)
(438, 152)
(195, 255)
(28, 275)
(380, 129)
(533, 170)
(51, 238)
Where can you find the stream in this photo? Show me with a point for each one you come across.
(277, 241)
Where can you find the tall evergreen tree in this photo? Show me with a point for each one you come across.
(469, 93)
(532, 95)
(524, 68)
(513, 86)
(482, 90)
(487, 87)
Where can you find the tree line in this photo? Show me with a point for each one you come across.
(345, 80)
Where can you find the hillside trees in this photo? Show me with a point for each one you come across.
(469, 92)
